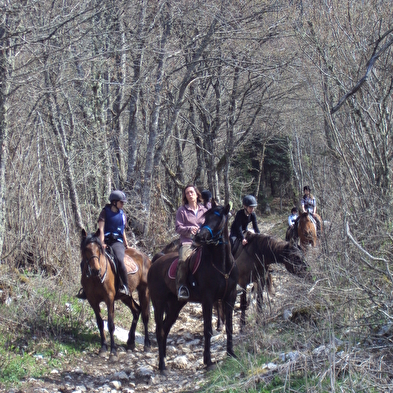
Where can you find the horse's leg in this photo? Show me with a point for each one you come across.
(159, 308)
(172, 312)
(243, 307)
(100, 325)
(229, 305)
(207, 309)
(136, 310)
(220, 314)
(171, 307)
(111, 324)
(144, 300)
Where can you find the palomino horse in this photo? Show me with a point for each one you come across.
(253, 261)
(99, 283)
(214, 277)
(307, 230)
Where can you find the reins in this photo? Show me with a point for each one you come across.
(89, 271)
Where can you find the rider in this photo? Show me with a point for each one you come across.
(207, 199)
(112, 222)
(242, 219)
(292, 218)
(309, 206)
(189, 217)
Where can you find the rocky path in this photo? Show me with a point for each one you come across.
(137, 371)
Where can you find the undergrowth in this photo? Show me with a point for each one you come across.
(42, 328)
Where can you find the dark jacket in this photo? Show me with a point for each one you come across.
(241, 222)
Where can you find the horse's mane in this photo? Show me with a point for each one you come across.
(90, 238)
(266, 243)
(273, 250)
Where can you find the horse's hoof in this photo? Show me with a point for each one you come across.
(130, 347)
(164, 372)
(146, 348)
(211, 367)
(113, 356)
(232, 354)
(103, 351)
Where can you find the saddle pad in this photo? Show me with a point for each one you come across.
(194, 264)
(130, 265)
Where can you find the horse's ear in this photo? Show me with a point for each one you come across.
(214, 203)
(83, 233)
(97, 234)
(227, 209)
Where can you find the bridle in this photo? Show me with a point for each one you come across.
(216, 238)
(89, 272)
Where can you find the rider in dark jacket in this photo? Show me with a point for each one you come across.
(242, 219)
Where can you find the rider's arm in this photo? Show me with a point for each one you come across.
(101, 225)
(254, 223)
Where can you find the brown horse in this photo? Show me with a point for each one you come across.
(99, 282)
(214, 279)
(253, 261)
(307, 230)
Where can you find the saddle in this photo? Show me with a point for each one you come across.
(129, 263)
(193, 263)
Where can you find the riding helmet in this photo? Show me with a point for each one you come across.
(117, 195)
(206, 195)
(249, 200)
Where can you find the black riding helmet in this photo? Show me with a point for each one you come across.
(250, 200)
(117, 195)
(206, 195)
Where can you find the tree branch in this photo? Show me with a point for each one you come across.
(369, 68)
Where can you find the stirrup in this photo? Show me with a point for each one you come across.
(81, 294)
(124, 290)
(183, 293)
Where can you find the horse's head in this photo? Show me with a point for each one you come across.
(91, 249)
(215, 227)
(294, 260)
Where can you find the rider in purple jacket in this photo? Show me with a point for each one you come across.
(189, 218)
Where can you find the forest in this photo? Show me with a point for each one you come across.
(238, 97)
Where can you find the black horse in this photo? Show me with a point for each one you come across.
(214, 279)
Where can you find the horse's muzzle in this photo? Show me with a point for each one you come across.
(92, 272)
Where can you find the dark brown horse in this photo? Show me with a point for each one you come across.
(253, 261)
(99, 283)
(214, 279)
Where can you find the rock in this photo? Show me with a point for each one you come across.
(181, 362)
(115, 384)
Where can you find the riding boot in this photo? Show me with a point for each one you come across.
(181, 281)
(124, 280)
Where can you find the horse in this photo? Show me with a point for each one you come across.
(253, 261)
(173, 246)
(215, 278)
(99, 282)
(307, 230)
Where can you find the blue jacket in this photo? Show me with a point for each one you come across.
(114, 223)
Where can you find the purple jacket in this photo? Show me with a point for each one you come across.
(186, 219)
